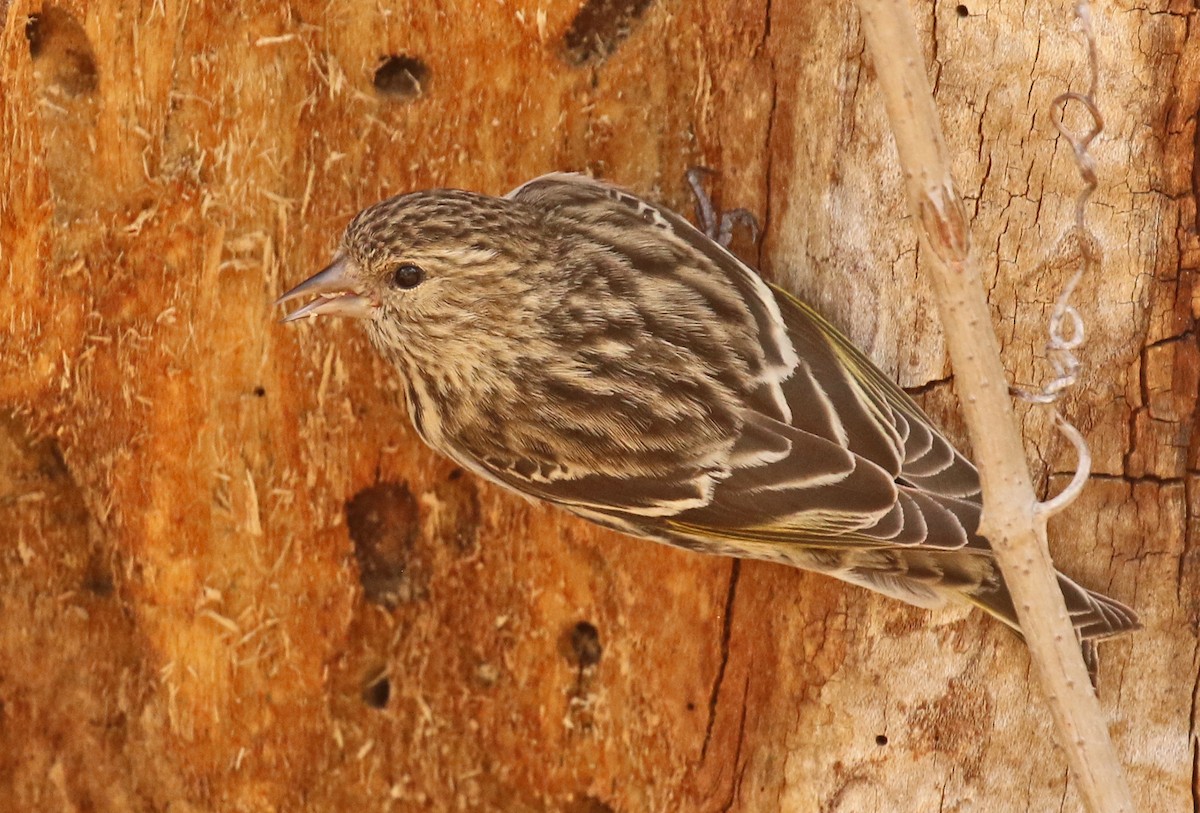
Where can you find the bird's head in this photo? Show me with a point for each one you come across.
(431, 270)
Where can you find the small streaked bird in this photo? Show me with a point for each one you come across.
(576, 344)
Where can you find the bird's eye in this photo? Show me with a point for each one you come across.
(407, 276)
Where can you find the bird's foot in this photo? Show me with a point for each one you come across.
(718, 226)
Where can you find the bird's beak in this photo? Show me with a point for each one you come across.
(337, 294)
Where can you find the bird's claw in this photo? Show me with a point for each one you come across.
(718, 226)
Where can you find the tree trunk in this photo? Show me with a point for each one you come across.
(235, 580)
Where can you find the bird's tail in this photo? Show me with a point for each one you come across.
(1094, 616)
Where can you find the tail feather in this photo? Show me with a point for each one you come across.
(1094, 616)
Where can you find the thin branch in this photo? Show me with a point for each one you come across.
(1012, 520)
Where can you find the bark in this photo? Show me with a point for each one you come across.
(235, 580)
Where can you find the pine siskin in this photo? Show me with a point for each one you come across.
(576, 344)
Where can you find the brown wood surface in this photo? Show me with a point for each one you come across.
(232, 579)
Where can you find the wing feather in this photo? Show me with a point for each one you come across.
(827, 446)
(930, 461)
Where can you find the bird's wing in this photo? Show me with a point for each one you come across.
(903, 519)
(882, 412)
(931, 497)
(848, 476)
(657, 243)
(830, 451)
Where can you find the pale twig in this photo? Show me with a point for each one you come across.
(1012, 521)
